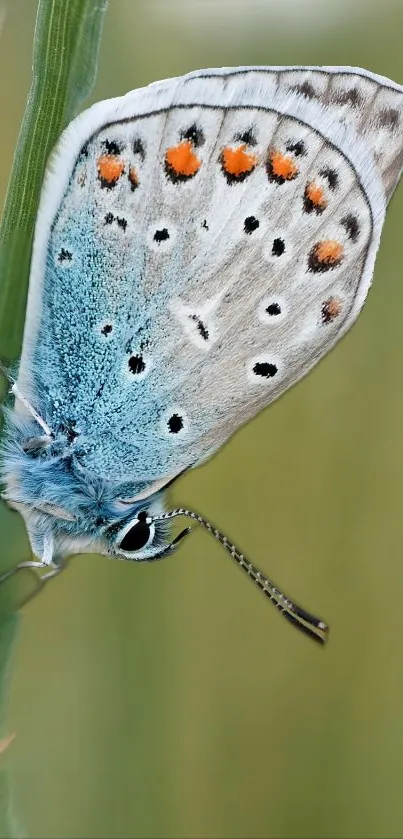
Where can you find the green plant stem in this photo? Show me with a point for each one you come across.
(67, 38)
(66, 45)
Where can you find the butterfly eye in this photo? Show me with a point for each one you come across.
(137, 535)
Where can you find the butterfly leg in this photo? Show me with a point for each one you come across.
(40, 581)
(45, 562)
(48, 561)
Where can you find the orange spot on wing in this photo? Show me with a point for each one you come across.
(281, 166)
(133, 177)
(331, 308)
(329, 251)
(315, 195)
(325, 255)
(237, 162)
(110, 168)
(181, 161)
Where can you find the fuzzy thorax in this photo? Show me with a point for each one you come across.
(60, 500)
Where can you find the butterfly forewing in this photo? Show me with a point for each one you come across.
(212, 240)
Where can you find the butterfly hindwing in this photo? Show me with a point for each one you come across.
(207, 241)
(370, 104)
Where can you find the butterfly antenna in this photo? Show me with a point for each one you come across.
(308, 624)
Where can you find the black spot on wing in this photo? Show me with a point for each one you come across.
(347, 97)
(175, 424)
(139, 147)
(306, 89)
(278, 247)
(265, 369)
(297, 147)
(121, 222)
(331, 176)
(248, 137)
(250, 224)
(351, 226)
(65, 255)
(273, 309)
(202, 329)
(112, 146)
(136, 364)
(161, 235)
(195, 134)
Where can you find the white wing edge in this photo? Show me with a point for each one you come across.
(384, 81)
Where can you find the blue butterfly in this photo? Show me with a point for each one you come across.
(200, 244)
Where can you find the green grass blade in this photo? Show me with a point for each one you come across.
(8, 632)
(67, 38)
(66, 45)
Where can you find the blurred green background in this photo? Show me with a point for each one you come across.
(172, 700)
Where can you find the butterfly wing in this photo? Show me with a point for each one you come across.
(368, 103)
(201, 244)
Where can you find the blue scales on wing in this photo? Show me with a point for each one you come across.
(201, 244)
(204, 256)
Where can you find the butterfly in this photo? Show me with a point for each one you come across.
(200, 244)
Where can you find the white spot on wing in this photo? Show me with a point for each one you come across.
(191, 315)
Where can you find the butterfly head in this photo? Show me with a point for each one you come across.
(76, 511)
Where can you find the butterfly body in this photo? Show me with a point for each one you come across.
(200, 245)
